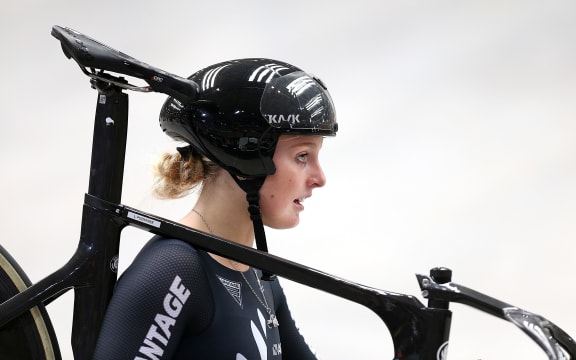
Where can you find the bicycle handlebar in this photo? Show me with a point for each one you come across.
(89, 53)
(546, 334)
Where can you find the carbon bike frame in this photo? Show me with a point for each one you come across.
(418, 332)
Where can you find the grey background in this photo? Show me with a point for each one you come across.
(457, 147)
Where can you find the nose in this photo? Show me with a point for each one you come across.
(317, 177)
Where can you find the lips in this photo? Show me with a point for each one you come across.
(300, 200)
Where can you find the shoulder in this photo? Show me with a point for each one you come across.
(164, 259)
(166, 251)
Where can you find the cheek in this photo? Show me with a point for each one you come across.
(277, 188)
(267, 196)
(273, 193)
(268, 206)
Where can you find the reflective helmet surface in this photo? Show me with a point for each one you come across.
(242, 108)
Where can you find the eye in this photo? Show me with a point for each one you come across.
(303, 157)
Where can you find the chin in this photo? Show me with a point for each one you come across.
(282, 224)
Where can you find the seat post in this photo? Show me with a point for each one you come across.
(100, 234)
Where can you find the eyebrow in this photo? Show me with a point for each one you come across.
(311, 144)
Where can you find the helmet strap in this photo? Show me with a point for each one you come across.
(252, 188)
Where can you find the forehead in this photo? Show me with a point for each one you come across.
(289, 141)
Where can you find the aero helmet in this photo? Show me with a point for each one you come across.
(241, 109)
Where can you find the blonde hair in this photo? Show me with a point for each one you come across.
(177, 174)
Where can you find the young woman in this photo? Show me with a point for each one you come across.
(254, 134)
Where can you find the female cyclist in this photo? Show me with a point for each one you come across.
(253, 136)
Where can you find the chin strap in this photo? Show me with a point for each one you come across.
(252, 188)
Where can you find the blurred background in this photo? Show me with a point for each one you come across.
(457, 148)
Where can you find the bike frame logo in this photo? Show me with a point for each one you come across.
(114, 264)
(442, 353)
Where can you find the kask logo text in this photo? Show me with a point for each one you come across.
(278, 119)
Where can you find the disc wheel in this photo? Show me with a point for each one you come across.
(30, 336)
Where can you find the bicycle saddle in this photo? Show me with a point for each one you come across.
(97, 57)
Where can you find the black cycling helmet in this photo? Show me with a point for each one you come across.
(241, 109)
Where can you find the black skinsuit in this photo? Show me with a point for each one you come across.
(176, 302)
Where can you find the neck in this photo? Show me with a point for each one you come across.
(222, 210)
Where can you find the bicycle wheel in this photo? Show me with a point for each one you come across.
(31, 335)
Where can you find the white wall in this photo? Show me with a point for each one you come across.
(457, 147)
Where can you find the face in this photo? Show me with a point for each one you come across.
(298, 172)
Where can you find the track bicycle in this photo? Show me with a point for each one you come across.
(418, 331)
